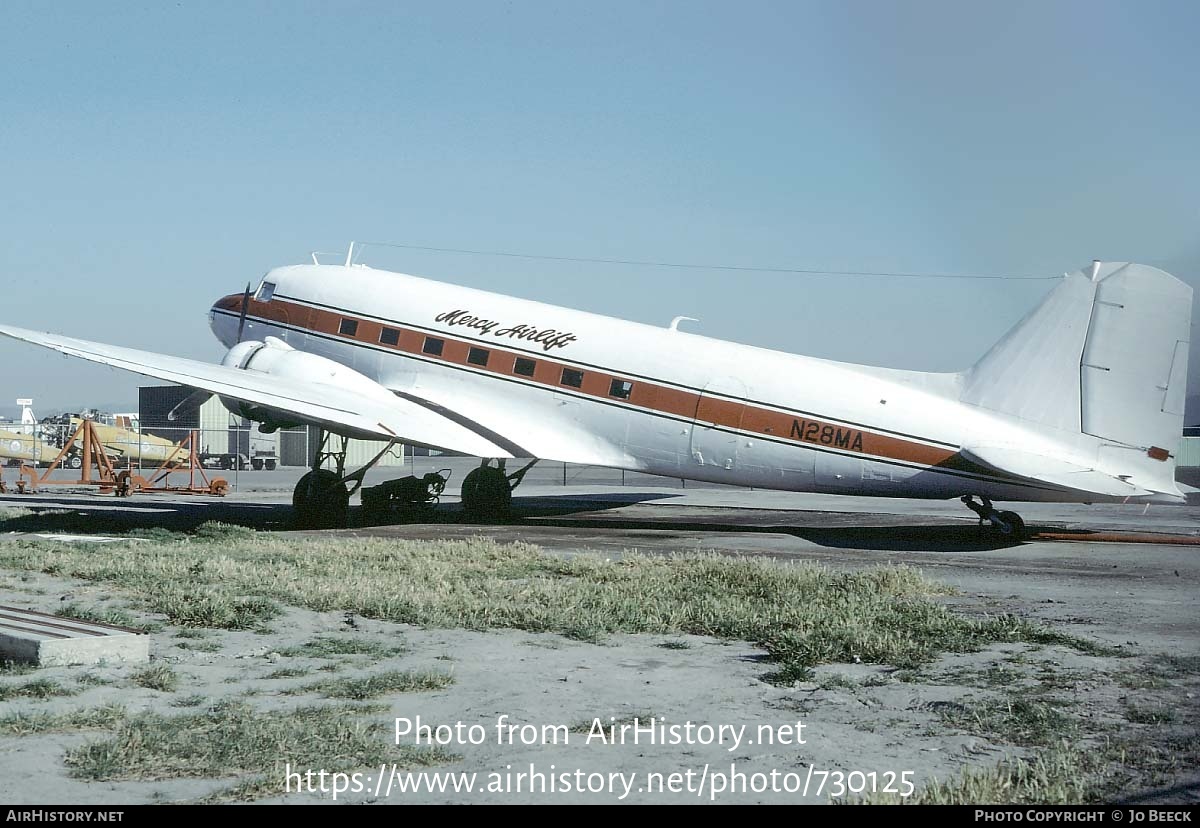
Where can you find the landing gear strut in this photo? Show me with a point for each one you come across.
(321, 499)
(1008, 524)
(487, 490)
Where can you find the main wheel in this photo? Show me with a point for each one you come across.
(321, 502)
(75, 462)
(1015, 524)
(486, 494)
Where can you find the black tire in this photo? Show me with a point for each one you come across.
(257, 464)
(75, 462)
(1017, 531)
(325, 504)
(270, 465)
(486, 494)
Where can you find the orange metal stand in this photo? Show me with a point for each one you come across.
(93, 452)
(129, 482)
(126, 482)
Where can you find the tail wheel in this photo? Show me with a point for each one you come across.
(1016, 526)
(321, 500)
(486, 494)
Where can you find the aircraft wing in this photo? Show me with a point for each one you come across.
(333, 407)
(1052, 470)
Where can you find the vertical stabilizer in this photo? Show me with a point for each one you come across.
(1104, 354)
(1032, 373)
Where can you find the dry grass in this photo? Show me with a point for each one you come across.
(157, 677)
(329, 646)
(113, 616)
(802, 614)
(94, 718)
(379, 684)
(233, 739)
(39, 689)
(1016, 719)
(1064, 776)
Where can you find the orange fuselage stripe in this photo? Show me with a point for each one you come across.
(646, 395)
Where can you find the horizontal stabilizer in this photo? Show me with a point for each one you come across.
(1053, 471)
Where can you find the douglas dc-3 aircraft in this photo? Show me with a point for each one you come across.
(1082, 401)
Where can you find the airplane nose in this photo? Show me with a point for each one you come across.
(219, 319)
(231, 302)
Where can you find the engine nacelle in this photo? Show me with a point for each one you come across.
(278, 359)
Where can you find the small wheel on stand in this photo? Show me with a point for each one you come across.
(124, 484)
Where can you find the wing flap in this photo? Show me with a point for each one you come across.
(557, 435)
(338, 409)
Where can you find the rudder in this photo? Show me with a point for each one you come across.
(1133, 374)
(1104, 354)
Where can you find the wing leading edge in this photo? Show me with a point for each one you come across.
(341, 410)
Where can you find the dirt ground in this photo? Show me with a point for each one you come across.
(967, 711)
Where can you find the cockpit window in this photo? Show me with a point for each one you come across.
(265, 291)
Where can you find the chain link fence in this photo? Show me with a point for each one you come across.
(244, 456)
(149, 449)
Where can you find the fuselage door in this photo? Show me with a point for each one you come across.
(719, 414)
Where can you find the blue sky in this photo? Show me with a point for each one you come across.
(157, 156)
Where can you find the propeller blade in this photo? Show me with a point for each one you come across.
(245, 307)
(190, 403)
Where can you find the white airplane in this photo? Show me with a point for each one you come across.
(1082, 401)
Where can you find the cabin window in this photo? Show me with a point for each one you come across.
(524, 367)
(620, 389)
(349, 327)
(478, 356)
(572, 378)
(389, 336)
(265, 291)
(432, 346)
